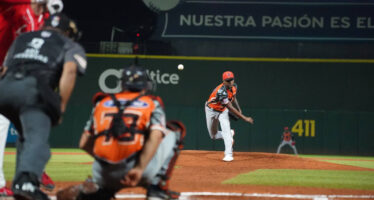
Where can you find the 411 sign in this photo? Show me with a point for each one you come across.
(306, 127)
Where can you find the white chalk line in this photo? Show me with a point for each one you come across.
(186, 195)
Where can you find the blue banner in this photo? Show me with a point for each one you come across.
(12, 134)
(314, 20)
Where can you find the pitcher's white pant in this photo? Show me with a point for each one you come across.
(4, 125)
(287, 143)
(212, 119)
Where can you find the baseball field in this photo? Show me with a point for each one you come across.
(252, 175)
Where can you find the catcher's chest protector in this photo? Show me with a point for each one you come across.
(136, 118)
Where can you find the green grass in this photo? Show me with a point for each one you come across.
(315, 178)
(76, 167)
(363, 180)
(61, 167)
(358, 161)
(338, 157)
(364, 164)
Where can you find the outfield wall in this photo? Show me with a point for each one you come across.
(327, 103)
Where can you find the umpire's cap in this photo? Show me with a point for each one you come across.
(65, 24)
(135, 78)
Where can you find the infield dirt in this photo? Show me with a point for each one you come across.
(204, 171)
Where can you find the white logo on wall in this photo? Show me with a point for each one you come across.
(13, 131)
(156, 75)
(161, 5)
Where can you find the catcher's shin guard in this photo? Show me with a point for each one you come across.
(178, 127)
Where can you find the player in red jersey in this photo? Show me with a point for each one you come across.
(19, 16)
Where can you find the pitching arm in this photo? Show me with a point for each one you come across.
(236, 104)
(237, 113)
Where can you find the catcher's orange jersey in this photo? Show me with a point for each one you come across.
(219, 95)
(137, 116)
(287, 136)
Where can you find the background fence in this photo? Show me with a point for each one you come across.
(328, 104)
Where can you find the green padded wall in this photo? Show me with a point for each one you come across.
(331, 98)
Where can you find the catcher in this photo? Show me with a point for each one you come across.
(130, 141)
(287, 139)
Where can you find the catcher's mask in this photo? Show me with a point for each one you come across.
(65, 24)
(135, 78)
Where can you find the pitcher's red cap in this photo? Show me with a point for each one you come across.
(227, 75)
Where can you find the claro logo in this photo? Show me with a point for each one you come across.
(157, 76)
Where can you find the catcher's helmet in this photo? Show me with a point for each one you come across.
(65, 24)
(135, 78)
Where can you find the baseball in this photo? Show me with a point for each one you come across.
(180, 67)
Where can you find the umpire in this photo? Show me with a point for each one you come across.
(37, 79)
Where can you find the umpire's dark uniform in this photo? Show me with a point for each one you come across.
(35, 63)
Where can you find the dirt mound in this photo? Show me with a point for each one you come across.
(204, 171)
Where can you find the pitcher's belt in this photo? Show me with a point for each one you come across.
(206, 104)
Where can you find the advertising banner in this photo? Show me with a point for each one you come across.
(299, 20)
(12, 134)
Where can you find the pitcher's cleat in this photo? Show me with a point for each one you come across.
(228, 158)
